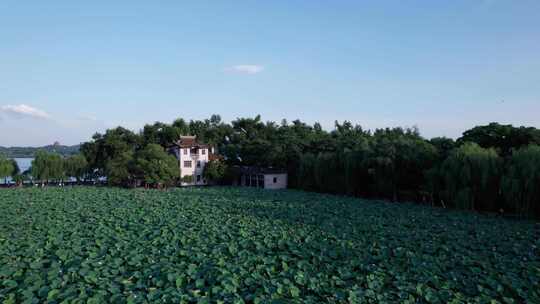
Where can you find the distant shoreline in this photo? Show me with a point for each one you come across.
(29, 152)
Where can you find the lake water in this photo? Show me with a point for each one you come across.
(23, 163)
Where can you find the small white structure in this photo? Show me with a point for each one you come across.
(192, 157)
(267, 178)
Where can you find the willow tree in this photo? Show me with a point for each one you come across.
(48, 166)
(328, 172)
(76, 166)
(398, 162)
(306, 172)
(356, 172)
(6, 167)
(471, 177)
(521, 183)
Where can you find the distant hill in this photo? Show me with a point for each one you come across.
(28, 152)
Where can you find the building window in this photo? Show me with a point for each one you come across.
(187, 164)
(275, 180)
(198, 164)
(203, 151)
(185, 151)
(198, 178)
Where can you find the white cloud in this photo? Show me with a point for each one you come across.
(22, 110)
(245, 69)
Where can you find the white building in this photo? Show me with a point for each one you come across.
(258, 177)
(192, 157)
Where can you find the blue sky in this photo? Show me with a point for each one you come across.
(70, 68)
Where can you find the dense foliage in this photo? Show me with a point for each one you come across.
(240, 245)
(471, 177)
(157, 167)
(76, 166)
(395, 164)
(151, 166)
(48, 166)
(215, 171)
(503, 138)
(521, 182)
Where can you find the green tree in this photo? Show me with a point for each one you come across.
(48, 166)
(521, 182)
(103, 148)
(6, 168)
(120, 169)
(356, 171)
(215, 171)
(181, 125)
(157, 167)
(472, 177)
(16, 175)
(444, 147)
(398, 162)
(306, 172)
(76, 166)
(16, 170)
(160, 133)
(503, 138)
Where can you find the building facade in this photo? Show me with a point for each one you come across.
(258, 177)
(192, 158)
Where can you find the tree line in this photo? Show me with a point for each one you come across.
(494, 168)
(490, 168)
(46, 167)
(151, 165)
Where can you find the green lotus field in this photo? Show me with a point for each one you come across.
(235, 245)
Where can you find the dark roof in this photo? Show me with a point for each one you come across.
(260, 170)
(189, 142)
